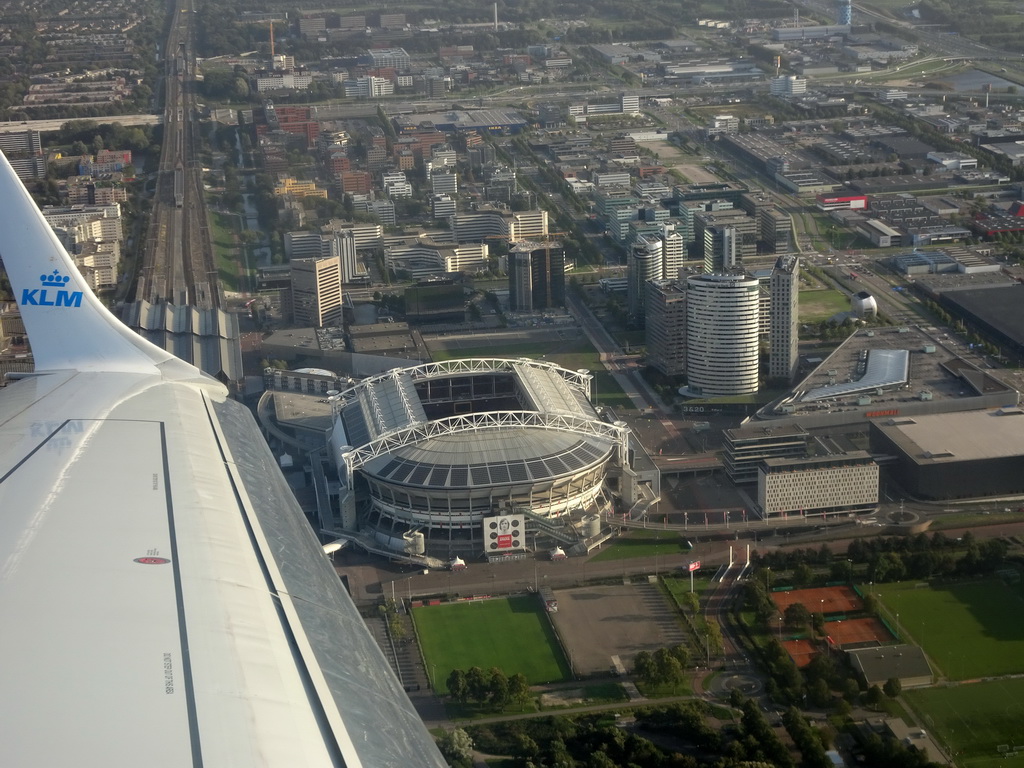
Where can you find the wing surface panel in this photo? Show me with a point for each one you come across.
(66, 582)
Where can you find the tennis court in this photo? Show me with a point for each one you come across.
(800, 651)
(827, 600)
(855, 631)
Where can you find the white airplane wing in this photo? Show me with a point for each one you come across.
(162, 599)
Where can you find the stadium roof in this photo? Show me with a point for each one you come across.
(553, 431)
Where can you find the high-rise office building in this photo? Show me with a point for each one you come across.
(673, 252)
(784, 286)
(536, 276)
(316, 291)
(722, 335)
(728, 237)
(665, 332)
(645, 262)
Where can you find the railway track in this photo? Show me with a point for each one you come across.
(178, 264)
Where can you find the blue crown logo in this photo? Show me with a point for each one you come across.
(54, 280)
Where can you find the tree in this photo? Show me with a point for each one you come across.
(819, 694)
(874, 697)
(892, 687)
(498, 689)
(457, 686)
(519, 688)
(478, 684)
(669, 670)
(645, 668)
(691, 601)
(802, 575)
(681, 655)
(797, 616)
(457, 747)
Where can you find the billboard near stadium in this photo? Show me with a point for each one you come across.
(504, 533)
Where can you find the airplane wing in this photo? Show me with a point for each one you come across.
(163, 600)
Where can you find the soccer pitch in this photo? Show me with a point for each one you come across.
(979, 723)
(969, 630)
(512, 634)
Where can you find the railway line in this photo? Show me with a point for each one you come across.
(178, 264)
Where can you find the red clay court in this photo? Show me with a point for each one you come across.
(800, 651)
(851, 631)
(820, 599)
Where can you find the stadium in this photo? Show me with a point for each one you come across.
(480, 457)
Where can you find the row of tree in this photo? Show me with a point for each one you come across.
(666, 666)
(885, 559)
(492, 689)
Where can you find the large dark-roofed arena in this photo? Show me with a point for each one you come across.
(474, 457)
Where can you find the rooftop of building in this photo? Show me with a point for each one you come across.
(819, 462)
(937, 374)
(961, 436)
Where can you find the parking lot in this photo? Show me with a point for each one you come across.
(596, 623)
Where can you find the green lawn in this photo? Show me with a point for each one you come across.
(512, 634)
(678, 585)
(643, 543)
(969, 630)
(816, 306)
(226, 250)
(973, 721)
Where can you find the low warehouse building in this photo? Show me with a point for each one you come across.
(955, 455)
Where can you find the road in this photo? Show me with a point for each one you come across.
(50, 126)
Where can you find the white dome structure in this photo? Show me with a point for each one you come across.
(864, 305)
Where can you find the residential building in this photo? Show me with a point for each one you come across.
(442, 206)
(788, 85)
(723, 124)
(528, 224)
(443, 183)
(296, 188)
(393, 58)
(396, 185)
(86, 222)
(316, 291)
(281, 81)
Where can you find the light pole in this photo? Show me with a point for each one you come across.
(780, 629)
(768, 579)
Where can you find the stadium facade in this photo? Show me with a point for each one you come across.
(482, 457)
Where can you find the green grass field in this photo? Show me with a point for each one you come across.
(969, 630)
(973, 720)
(512, 634)
(680, 584)
(816, 306)
(223, 231)
(644, 543)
